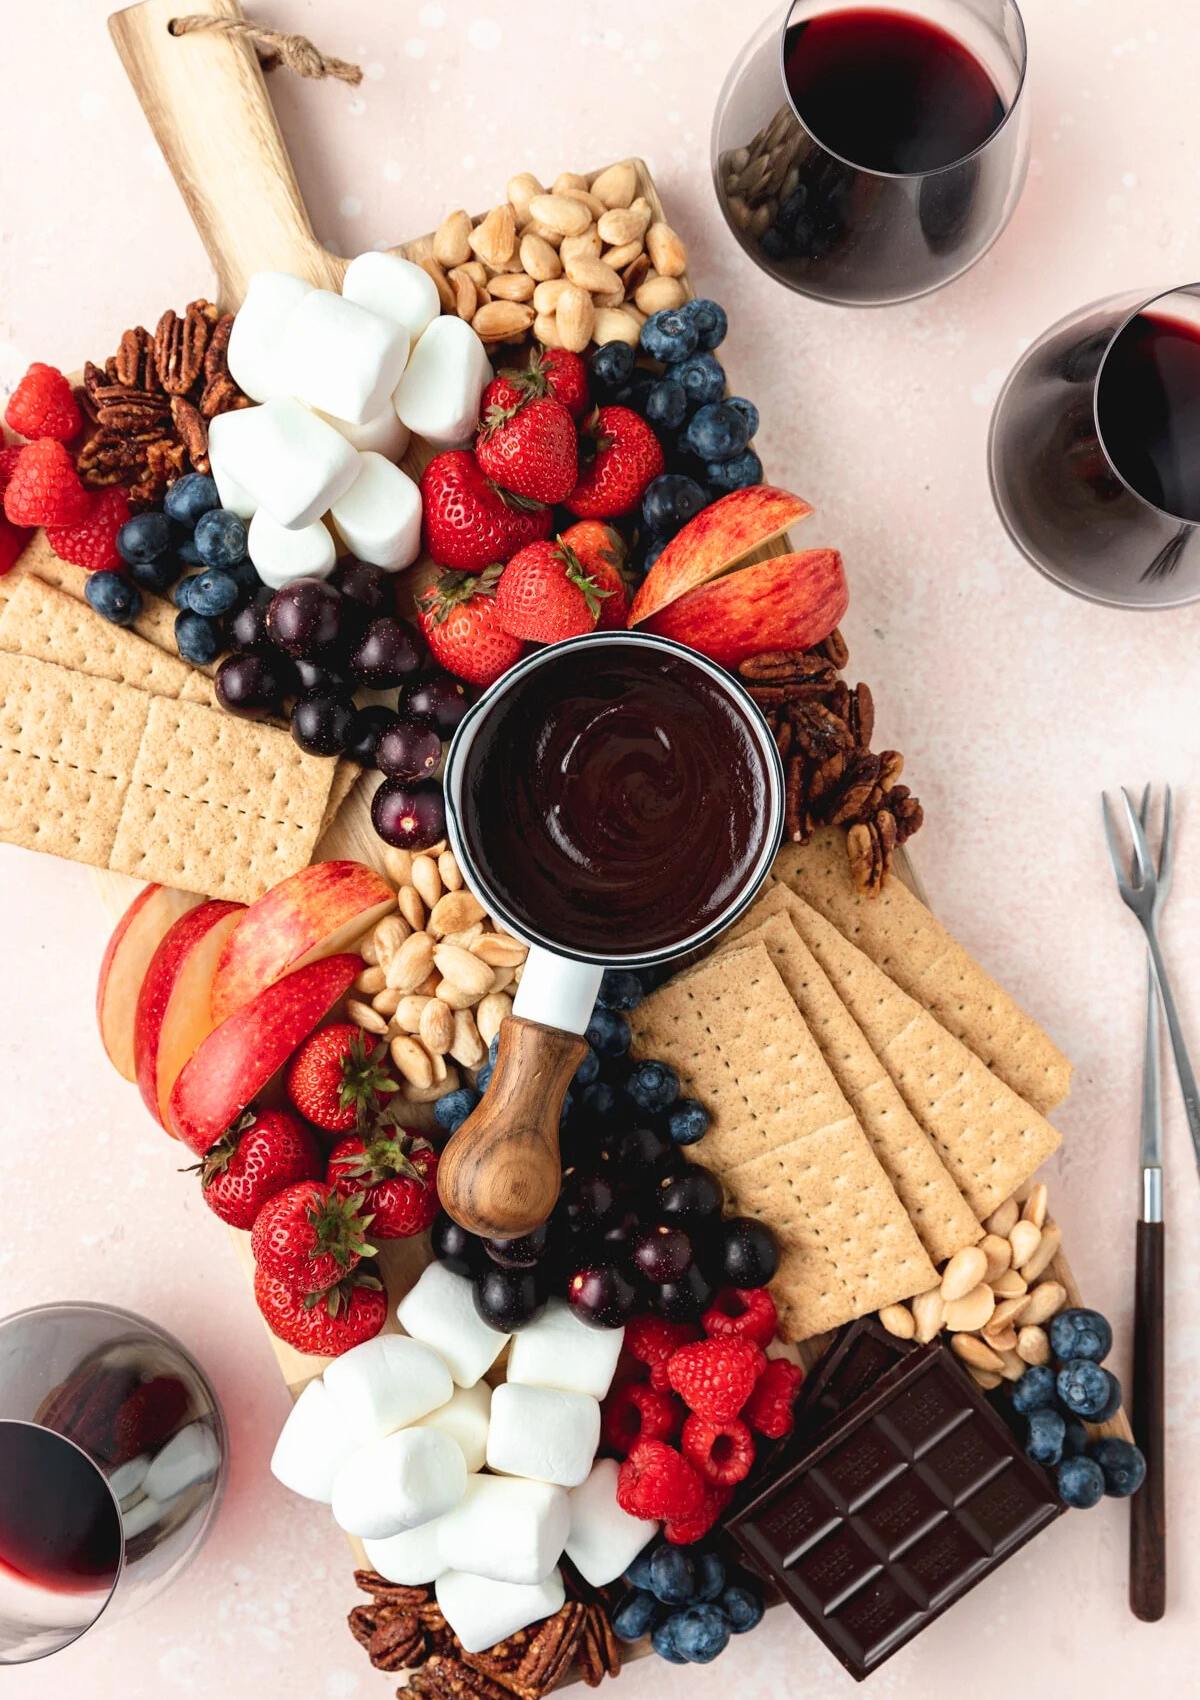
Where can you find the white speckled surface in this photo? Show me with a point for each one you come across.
(1013, 703)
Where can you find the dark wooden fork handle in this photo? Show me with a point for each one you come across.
(1148, 1508)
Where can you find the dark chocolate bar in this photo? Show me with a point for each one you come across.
(860, 1356)
(912, 1496)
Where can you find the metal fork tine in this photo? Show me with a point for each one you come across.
(1114, 849)
(1143, 866)
(1144, 811)
(1167, 846)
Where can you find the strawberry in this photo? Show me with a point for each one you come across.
(397, 1172)
(310, 1236)
(528, 447)
(619, 455)
(714, 1378)
(150, 1416)
(337, 1078)
(551, 371)
(43, 405)
(44, 488)
(601, 552)
(747, 1312)
(634, 1412)
(769, 1409)
(262, 1153)
(546, 595)
(13, 539)
(458, 617)
(469, 523)
(93, 543)
(325, 1324)
(682, 1531)
(656, 1481)
(721, 1452)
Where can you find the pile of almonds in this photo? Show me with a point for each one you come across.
(584, 261)
(439, 977)
(994, 1298)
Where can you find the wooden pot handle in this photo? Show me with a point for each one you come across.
(500, 1173)
(207, 104)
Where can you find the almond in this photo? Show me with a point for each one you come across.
(411, 907)
(1034, 1208)
(367, 951)
(561, 213)
(1006, 1314)
(436, 1028)
(370, 981)
(1009, 1285)
(972, 1351)
(448, 868)
(623, 224)
(387, 1002)
(971, 1312)
(1025, 1238)
(463, 970)
(502, 321)
(585, 196)
(398, 865)
(520, 191)
(1045, 1254)
(1004, 1340)
(928, 1312)
(477, 272)
(898, 1320)
(455, 996)
(502, 978)
(495, 240)
(998, 1253)
(451, 241)
(427, 880)
(633, 274)
(667, 252)
(613, 324)
(436, 1089)
(1014, 1365)
(364, 1016)
(619, 258)
(412, 1059)
(467, 938)
(545, 296)
(539, 259)
(965, 1270)
(411, 963)
(593, 275)
(491, 1011)
(658, 294)
(466, 296)
(567, 181)
(1001, 1220)
(388, 936)
(1033, 1346)
(511, 286)
(444, 288)
(545, 330)
(985, 1378)
(1044, 1301)
(408, 1012)
(453, 913)
(467, 1046)
(616, 185)
(498, 950)
(575, 318)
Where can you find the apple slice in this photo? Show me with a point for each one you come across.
(787, 602)
(316, 912)
(174, 1010)
(238, 1058)
(135, 939)
(714, 542)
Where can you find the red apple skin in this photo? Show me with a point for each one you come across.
(710, 544)
(315, 912)
(127, 956)
(238, 1058)
(166, 966)
(787, 602)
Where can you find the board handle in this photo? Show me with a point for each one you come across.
(1148, 1507)
(207, 104)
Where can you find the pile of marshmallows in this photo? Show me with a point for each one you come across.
(341, 381)
(449, 1482)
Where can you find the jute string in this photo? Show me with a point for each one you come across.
(274, 47)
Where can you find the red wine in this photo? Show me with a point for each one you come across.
(1148, 410)
(889, 91)
(59, 1525)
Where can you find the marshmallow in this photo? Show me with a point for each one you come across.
(482, 1612)
(413, 1557)
(396, 1483)
(557, 1350)
(285, 459)
(394, 288)
(380, 515)
(233, 497)
(506, 1529)
(339, 357)
(257, 333)
(142, 1515)
(384, 435)
(438, 396)
(604, 1539)
(543, 1433)
(280, 555)
(191, 1456)
(313, 1445)
(127, 1478)
(385, 1383)
(440, 1309)
(465, 1419)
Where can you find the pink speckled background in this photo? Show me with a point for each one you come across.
(1014, 704)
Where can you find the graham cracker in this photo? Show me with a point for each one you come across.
(938, 1211)
(155, 622)
(784, 1141)
(989, 1139)
(346, 775)
(899, 934)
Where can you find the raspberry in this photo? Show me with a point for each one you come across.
(655, 1481)
(12, 541)
(651, 1340)
(722, 1452)
(43, 405)
(8, 460)
(682, 1531)
(93, 543)
(44, 488)
(747, 1313)
(714, 1378)
(769, 1407)
(634, 1412)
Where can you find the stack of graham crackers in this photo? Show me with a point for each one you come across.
(874, 1095)
(113, 751)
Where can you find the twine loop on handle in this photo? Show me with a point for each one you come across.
(274, 47)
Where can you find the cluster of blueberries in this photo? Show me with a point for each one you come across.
(687, 1601)
(1056, 1399)
(190, 531)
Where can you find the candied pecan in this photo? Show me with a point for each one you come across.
(551, 1650)
(191, 431)
(221, 395)
(362, 1624)
(826, 777)
(445, 1678)
(398, 1642)
(861, 715)
(862, 847)
(835, 648)
(216, 355)
(393, 1593)
(796, 820)
(133, 414)
(599, 1652)
(130, 359)
(860, 779)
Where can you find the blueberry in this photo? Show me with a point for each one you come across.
(1034, 1391)
(791, 208)
(213, 593)
(635, 1615)
(608, 1033)
(612, 366)
(1080, 1483)
(743, 1607)
(672, 1575)
(1087, 1390)
(568, 1104)
(188, 553)
(1076, 1439)
(144, 537)
(774, 243)
(157, 575)
(452, 1110)
(482, 1077)
(653, 1086)
(710, 1576)
(662, 1639)
(1046, 1432)
(638, 1574)
(620, 989)
(701, 1633)
(197, 639)
(687, 1122)
(671, 500)
(245, 576)
(636, 393)
(717, 432)
(736, 474)
(666, 405)
(748, 411)
(599, 1102)
(1080, 1334)
(1123, 1466)
(709, 319)
(181, 595)
(112, 596)
(669, 335)
(702, 377)
(189, 497)
(652, 551)
(220, 538)
(587, 1071)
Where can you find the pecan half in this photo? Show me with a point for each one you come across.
(398, 1642)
